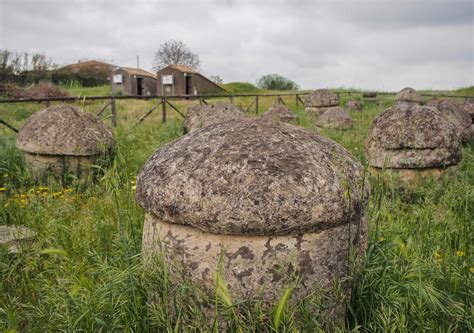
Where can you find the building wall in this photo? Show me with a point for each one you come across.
(129, 84)
(198, 84)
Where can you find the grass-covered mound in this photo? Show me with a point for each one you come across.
(241, 87)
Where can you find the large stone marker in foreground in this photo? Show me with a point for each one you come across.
(272, 200)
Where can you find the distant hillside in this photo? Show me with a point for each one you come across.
(87, 73)
(240, 87)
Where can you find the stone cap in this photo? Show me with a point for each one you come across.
(414, 137)
(279, 113)
(408, 95)
(253, 177)
(335, 117)
(64, 130)
(204, 115)
(321, 98)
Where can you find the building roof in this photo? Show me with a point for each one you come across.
(183, 68)
(138, 72)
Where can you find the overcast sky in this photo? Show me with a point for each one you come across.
(383, 45)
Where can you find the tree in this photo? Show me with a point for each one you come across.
(175, 52)
(216, 79)
(276, 82)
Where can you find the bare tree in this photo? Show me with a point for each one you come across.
(216, 79)
(177, 53)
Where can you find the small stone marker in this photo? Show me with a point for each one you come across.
(204, 115)
(412, 142)
(335, 117)
(408, 97)
(279, 113)
(63, 139)
(319, 100)
(354, 105)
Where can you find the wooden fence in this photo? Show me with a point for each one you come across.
(165, 101)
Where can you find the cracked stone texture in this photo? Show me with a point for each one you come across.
(469, 107)
(354, 105)
(253, 177)
(64, 130)
(411, 138)
(256, 265)
(204, 115)
(455, 112)
(279, 113)
(408, 97)
(335, 117)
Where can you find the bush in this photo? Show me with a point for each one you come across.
(276, 82)
(240, 87)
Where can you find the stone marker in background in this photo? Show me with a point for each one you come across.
(369, 95)
(412, 142)
(270, 200)
(335, 117)
(354, 105)
(319, 100)
(279, 113)
(408, 97)
(12, 235)
(456, 113)
(204, 115)
(64, 139)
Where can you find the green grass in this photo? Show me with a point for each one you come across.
(84, 270)
(241, 87)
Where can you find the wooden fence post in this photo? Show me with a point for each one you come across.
(297, 101)
(231, 99)
(163, 109)
(256, 104)
(114, 112)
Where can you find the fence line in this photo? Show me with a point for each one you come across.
(165, 100)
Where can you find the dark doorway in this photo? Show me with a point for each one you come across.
(188, 87)
(139, 86)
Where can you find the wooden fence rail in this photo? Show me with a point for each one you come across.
(165, 100)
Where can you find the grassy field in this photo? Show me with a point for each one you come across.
(84, 271)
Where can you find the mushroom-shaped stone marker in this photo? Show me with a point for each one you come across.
(271, 200)
(455, 112)
(412, 142)
(204, 115)
(319, 100)
(62, 139)
(279, 113)
(335, 117)
(408, 97)
(354, 105)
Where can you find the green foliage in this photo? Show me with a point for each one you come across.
(240, 87)
(84, 271)
(276, 82)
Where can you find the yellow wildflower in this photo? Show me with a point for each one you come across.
(381, 238)
(57, 194)
(68, 190)
(460, 253)
(471, 269)
(134, 187)
(437, 256)
(42, 188)
(3, 189)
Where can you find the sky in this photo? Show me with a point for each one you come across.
(378, 44)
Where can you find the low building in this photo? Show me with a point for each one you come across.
(133, 81)
(183, 80)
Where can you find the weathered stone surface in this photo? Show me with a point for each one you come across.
(57, 165)
(413, 177)
(205, 115)
(255, 265)
(354, 105)
(272, 200)
(369, 95)
(408, 97)
(412, 138)
(319, 100)
(12, 236)
(64, 130)
(469, 107)
(455, 112)
(252, 177)
(335, 117)
(279, 113)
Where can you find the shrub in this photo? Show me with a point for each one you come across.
(276, 82)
